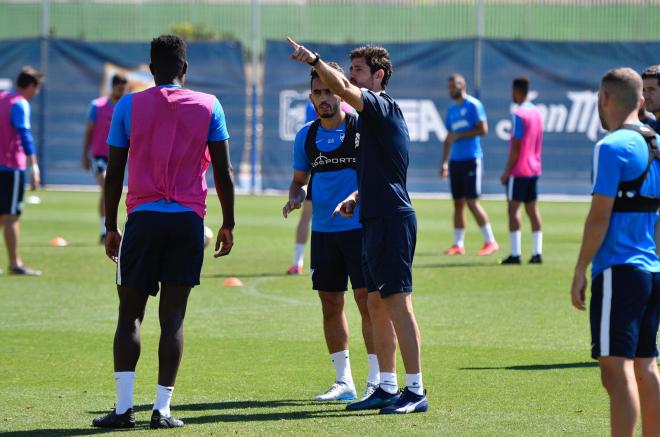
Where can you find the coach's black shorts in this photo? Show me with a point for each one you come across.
(624, 313)
(161, 247)
(336, 256)
(387, 253)
(465, 179)
(12, 187)
(100, 164)
(522, 189)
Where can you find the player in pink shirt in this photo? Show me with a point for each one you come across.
(522, 171)
(96, 135)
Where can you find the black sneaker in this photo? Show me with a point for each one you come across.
(114, 420)
(24, 271)
(536, 259)
(378, 399)
(511, 260)
(160, 421)
(408, 402)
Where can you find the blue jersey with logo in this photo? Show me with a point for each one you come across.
(462, 118)
(120, 135)
(383, 163)
(623, 156)
(329, 187)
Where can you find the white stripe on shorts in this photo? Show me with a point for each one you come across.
(509, 189)
(14, 195)
(119, 256)
(478, 182)
(605, 314)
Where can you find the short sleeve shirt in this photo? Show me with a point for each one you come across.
(463, 118)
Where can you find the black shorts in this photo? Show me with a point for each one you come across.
(522, 189)
(387, 253)
(624, 312)
(465, 179)
(100, 164)
(12, 187)
(337, 256)
(161, 247)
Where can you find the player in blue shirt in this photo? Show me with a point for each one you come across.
(325, 148)
(388, 220)
(620, 240)
(465, 122)
(651, 92)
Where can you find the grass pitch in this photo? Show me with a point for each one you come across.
(503, 351)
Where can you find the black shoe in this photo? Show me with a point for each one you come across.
(511, 260)
(114, 420)
(24, 271)
(160, 421)
(536, 259)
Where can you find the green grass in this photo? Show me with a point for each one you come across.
(503, 351)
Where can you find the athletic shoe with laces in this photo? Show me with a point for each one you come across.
(488, 249)
(455, 250)
(536, 259)
(511, 259)
(24, 271)
(340, 391)
(368, 390)
(114, 420)
(294, 270)
(378, 399)
(160, 421)
(408, 402)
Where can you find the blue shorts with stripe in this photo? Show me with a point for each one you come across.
(624, 313)
(337, 256)
(465, 179)
(161, 247)
(522, 189)
(12, 188)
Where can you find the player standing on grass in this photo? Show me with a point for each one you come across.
(466, 122)
(388, 220)
(620, 236)
(325, 149)
(96, 134)
(522, 171)
(651, 91)
(16, 149)
(171, 133)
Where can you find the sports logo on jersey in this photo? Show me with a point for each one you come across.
(324, 160)
(293, 105)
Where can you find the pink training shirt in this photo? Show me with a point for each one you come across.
(529, 159)
(12, 154)
(104, 110)
(168, 155)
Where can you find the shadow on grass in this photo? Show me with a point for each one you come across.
(459, 264)
(74, 431)
(247, 275)
(538, 366)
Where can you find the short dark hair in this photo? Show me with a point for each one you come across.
(455, 77)
(521, 83)
(168, 56)
(625, 86)
(377, 58)
(315, 75)
(29, 76)
(652, 72)
(119, 79)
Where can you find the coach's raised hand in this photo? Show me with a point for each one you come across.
(300, 53)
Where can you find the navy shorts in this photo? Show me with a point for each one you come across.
(624, 313)
(100, 164)
(388, 249)
(465, 179)
(161, 247)
(12, 187)
(522, 189)
(337, 256)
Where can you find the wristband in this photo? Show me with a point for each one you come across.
(316, 59)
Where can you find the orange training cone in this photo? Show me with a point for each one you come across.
(59, 242)
(232, 282)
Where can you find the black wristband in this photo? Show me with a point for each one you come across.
(316, 59)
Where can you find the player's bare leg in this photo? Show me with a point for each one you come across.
(457, 248)
(648, 385)
(515, 235)
(100, 179)
(302, 235)
(480, 215)
(361, 296)
(532, 210)
(618, 378)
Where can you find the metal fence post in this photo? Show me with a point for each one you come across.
(481, 27)
(43, 67)
(256, 35)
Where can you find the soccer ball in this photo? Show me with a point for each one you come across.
(208, 236)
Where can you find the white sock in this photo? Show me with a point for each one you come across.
(163, 398)
(374, 370)
(342, 367)
(515, 238)
(459, 237)
(124, 383)
(299, 254)
(388, 382)
(102, 221)
(487, 232)
(537, 242)
(414, 383)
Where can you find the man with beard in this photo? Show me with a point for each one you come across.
(326, 149)
(651, 92)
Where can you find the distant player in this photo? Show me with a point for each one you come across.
(522, 171)
(96, 135)
(620, 239)
(466, 122)
(325, 149)
(16, 150)
(172, 133)
(651, 78)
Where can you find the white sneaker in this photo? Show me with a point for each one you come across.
(369, 390)
(340, 391)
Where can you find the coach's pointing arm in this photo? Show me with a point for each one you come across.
(334, 79)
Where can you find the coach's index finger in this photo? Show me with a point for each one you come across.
(292, 43)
